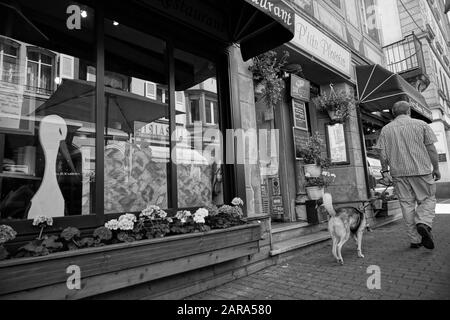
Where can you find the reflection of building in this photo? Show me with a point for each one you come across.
(420, 51)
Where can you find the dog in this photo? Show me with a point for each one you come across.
(343, 223)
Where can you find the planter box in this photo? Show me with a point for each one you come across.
(122, 265)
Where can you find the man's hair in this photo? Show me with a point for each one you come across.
(401, 107)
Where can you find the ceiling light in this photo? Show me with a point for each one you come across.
(115, 23)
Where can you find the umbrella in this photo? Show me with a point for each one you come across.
(378, 89)
(75, 99)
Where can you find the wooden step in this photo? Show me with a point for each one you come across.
(300, 242)
(286, 232)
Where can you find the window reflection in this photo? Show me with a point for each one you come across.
(47, 125)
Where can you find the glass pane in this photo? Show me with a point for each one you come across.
(216, 112)
(46, 59)
(33, 56)
(10, 69)
(32, 74)
(137, 144)
(208, 111)
(9, 50)
(195, 110)
(199, 148)
(47, 134)
(46, 78)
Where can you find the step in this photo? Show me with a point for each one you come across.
(281, 233)
(300, 242)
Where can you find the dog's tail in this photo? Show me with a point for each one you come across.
(328, 204)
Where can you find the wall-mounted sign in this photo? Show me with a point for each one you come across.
(300, 140)
(317, 43)
(299, 112)
(337, 144)
(300, 88)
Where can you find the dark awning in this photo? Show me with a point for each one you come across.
(378, 89)
(261, 26)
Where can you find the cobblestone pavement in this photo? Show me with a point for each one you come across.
(405, 273)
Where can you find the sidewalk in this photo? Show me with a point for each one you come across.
(405, 273)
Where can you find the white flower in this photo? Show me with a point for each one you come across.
(126, 224)
(112, 224)
(128, 216)
(199, 219)
(237, 202)
(200, 214)
(42, 219)
(325, 173)
(333, 175)
(308, 175)
(162, 214)
(183, 215)
(170, 220)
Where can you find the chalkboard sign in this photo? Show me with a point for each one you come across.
(299, 113)
(300, 88)
(300, 141)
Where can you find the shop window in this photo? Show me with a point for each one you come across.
(137, 137)
(47, 119)
(9, 57)
(40, 70)
(199, 152)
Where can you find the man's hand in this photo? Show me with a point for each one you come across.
(436, 175)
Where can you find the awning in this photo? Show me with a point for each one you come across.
(264, 25)
(378, 89)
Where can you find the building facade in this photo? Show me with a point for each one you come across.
(419, 51)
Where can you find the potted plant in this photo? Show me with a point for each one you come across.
(312, 156)
(268, 76)
(338, 105)
(315, 186)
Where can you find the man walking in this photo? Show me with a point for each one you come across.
(407, 151)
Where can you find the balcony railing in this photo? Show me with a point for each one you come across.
(405, 55)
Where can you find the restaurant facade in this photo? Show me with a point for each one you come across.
(109, 107)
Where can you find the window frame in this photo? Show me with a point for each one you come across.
(40, 52)
(14, 44)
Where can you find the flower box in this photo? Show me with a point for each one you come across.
(117, 266)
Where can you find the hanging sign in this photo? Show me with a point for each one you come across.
(300, 88)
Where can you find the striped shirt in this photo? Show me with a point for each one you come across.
(403, 144)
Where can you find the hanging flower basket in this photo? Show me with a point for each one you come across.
(338, 105)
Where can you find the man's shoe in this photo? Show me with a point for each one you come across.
(415, 245)
(427, 238)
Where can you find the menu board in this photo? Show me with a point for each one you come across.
(337, 147)
(299, 113)
(301, 138)
(300, 88)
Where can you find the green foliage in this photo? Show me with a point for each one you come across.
(341, 102)
(40, 247)
(311, 153)
(266, 69)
